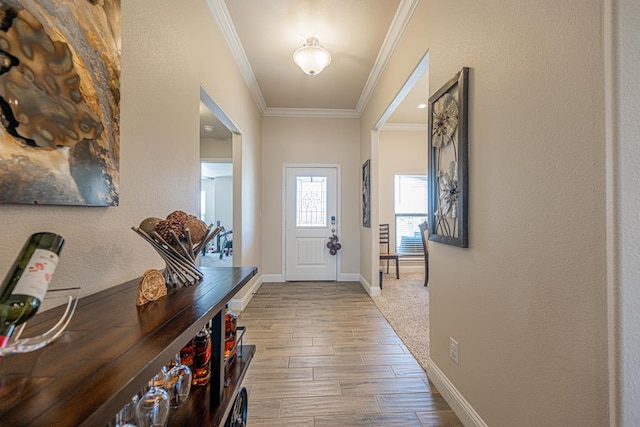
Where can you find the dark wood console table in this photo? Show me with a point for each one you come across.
(112, 348)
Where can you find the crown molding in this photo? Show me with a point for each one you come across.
(225, 24)
(398, 25)
(312, 112)
(413, 127)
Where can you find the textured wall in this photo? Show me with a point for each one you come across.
(214, 148)
(527, 300)
(624, 203)
(162, 70)
(310, 141)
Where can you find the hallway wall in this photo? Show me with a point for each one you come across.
(310, 141)
(163, 66)
(215, 148)
(623, 175)
(527, 300)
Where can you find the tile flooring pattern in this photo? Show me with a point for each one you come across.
(327, 357)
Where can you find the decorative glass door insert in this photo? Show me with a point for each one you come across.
(311, 201)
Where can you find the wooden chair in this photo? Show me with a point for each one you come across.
(424, 233)
(385, 252)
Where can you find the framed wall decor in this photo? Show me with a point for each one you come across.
(449, 162)
(366, 194)
(60, 102)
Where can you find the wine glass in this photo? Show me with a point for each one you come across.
(153, 407)
(127, 415)
(178, 382)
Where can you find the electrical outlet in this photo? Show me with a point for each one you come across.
(453, 350)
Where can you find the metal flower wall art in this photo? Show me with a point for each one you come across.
(448, 162)
(448, 198)
(445, 120)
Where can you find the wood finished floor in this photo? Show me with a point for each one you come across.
(327, 357)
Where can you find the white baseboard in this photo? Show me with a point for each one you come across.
(273, 278)
(239, 304)
(454, 398)
(342, 277)
(373, 291)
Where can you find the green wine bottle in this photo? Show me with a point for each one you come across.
(24, 287)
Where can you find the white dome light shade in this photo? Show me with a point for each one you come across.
(312, 58)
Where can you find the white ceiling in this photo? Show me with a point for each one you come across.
(351, 30)
(211, 126)
(359, 34)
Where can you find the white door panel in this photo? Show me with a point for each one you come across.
(311, 251)
(311, 202)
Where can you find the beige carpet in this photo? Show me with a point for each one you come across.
(405, 305)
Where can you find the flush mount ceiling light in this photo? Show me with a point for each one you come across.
(311, 57)
(208, 128)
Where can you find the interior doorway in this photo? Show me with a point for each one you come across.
(217, 181)
(399, 150)
(216, 207)
(401, 173)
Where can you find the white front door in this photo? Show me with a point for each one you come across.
(310, 214)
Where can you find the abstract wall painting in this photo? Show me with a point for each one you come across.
(60, 102)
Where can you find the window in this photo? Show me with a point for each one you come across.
(411, 210)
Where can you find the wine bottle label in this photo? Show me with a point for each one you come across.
(37, 275)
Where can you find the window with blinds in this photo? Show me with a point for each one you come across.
(410, 211)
